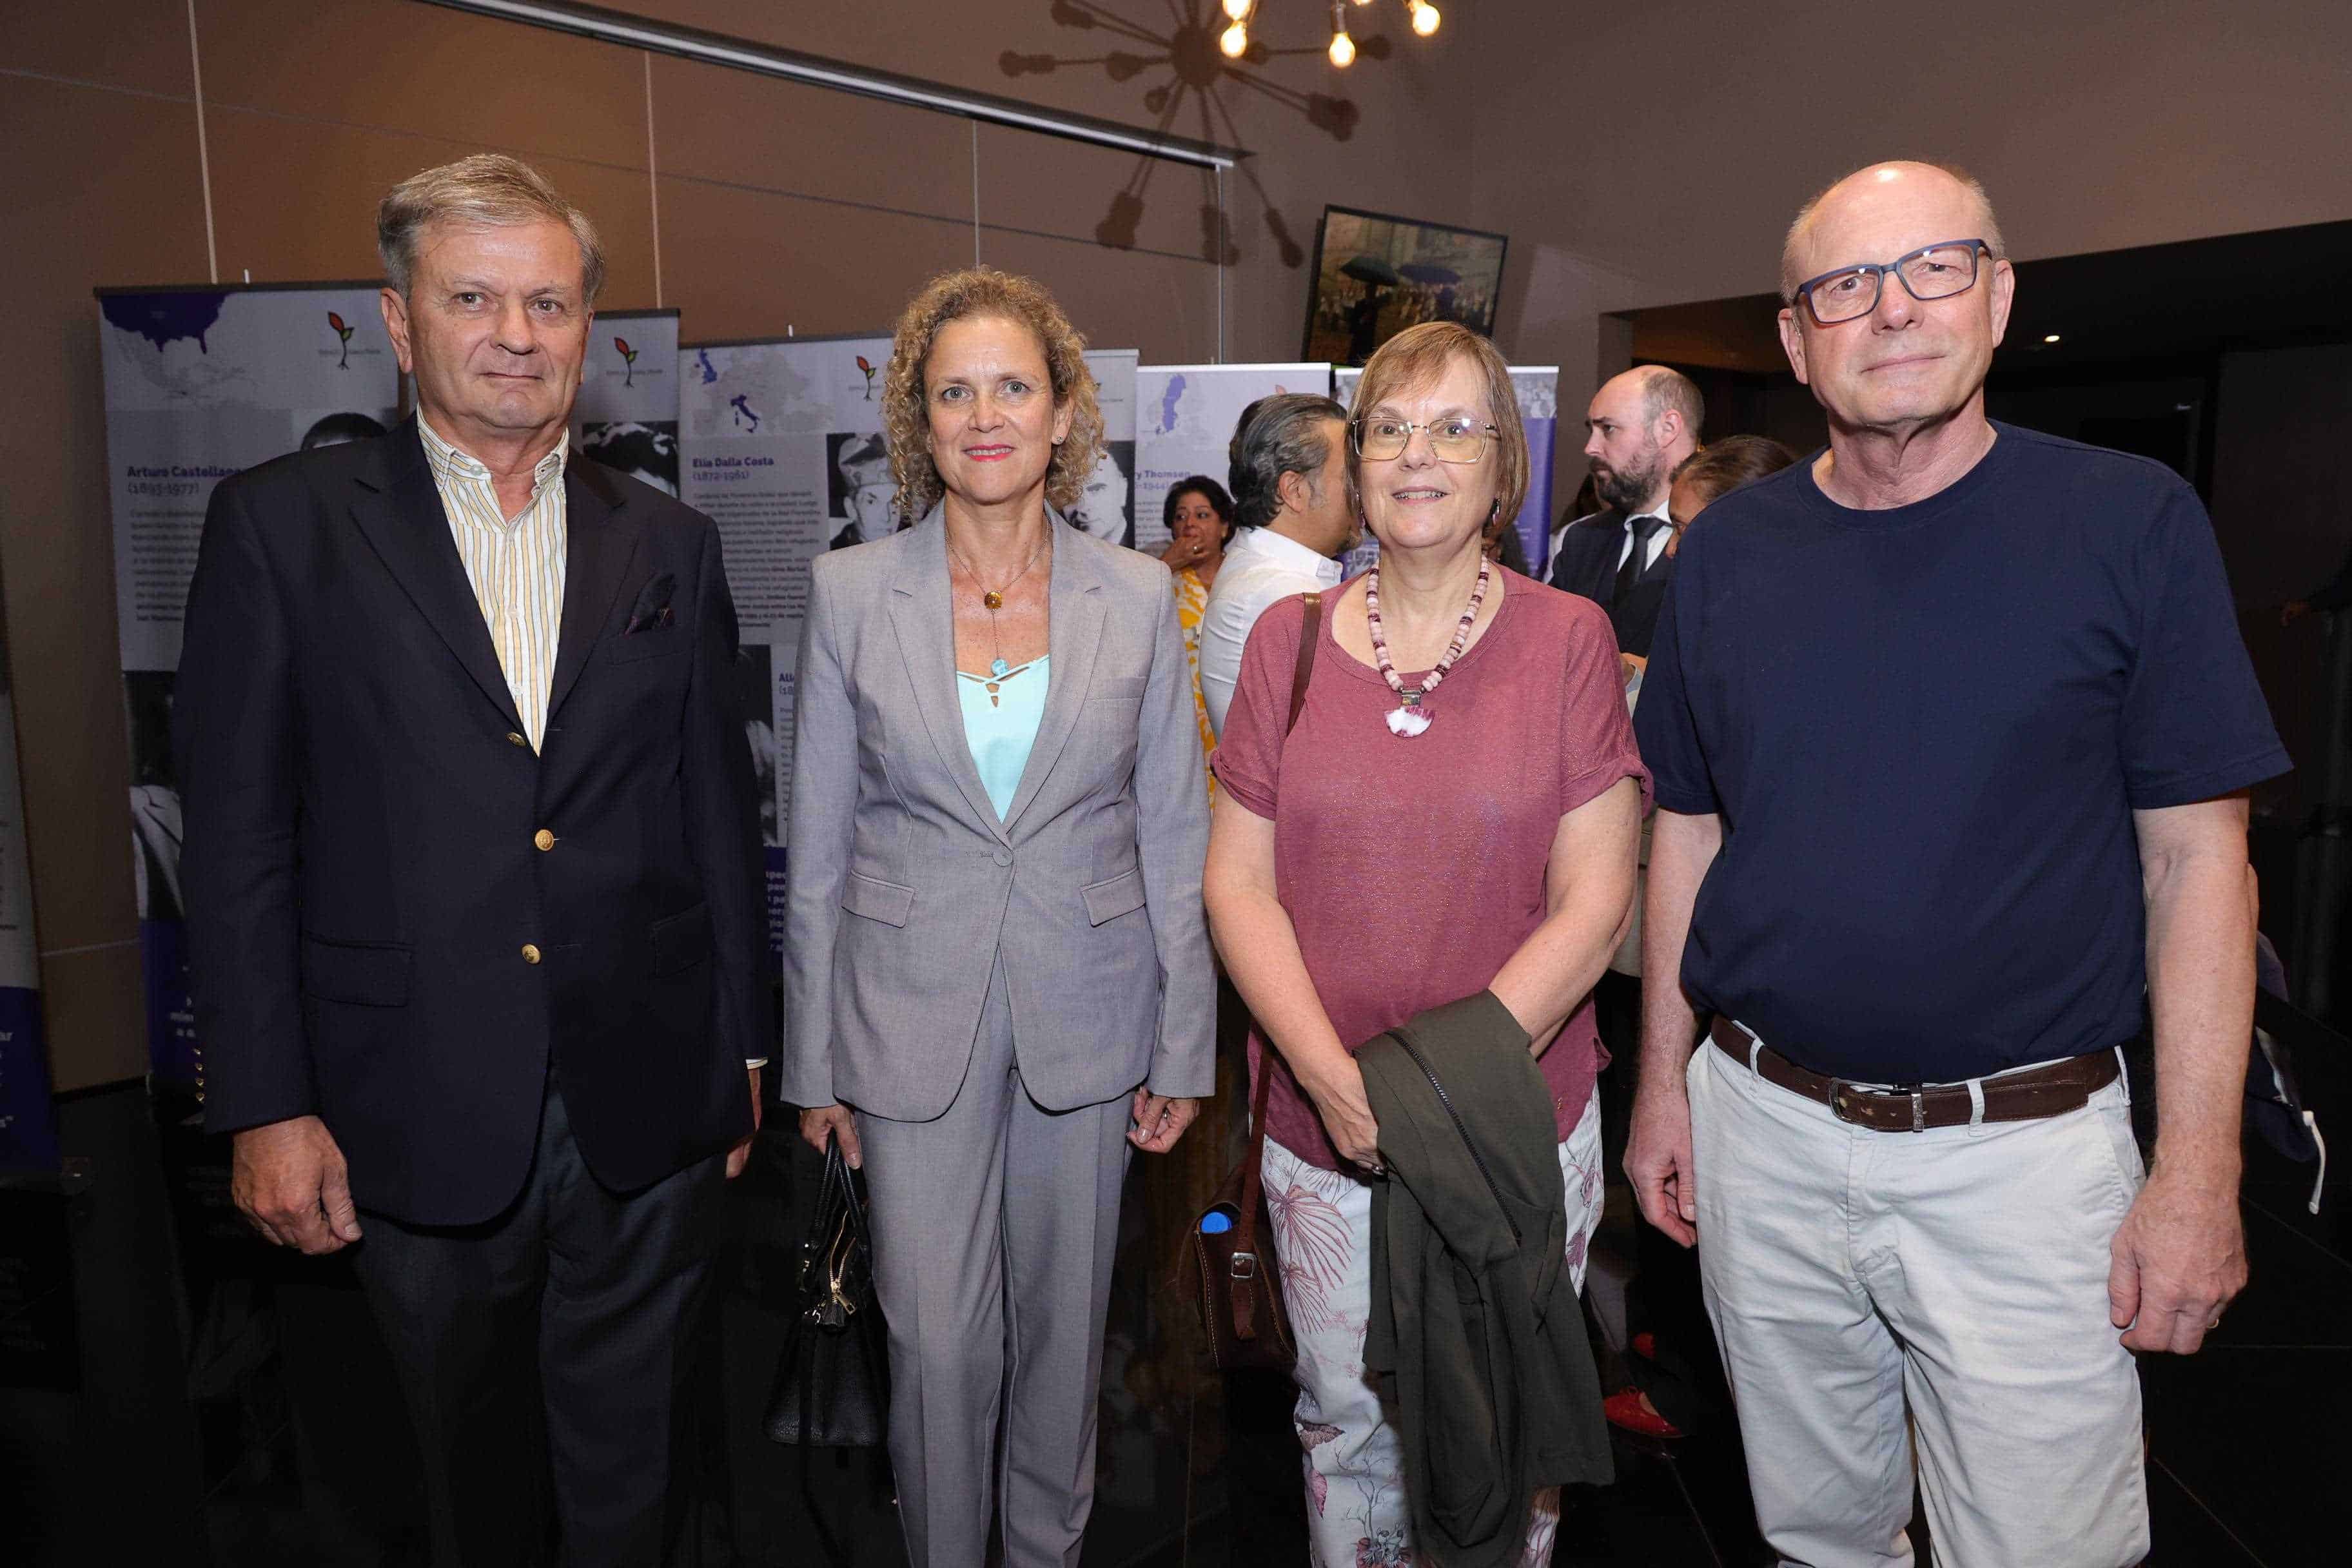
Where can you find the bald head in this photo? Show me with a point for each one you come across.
(1639, 425)
(1899, 181)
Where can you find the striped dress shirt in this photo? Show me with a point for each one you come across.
(515, 564)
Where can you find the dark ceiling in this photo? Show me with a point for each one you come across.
(2182, 300)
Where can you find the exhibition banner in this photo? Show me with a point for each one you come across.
(28, 1123)
(1185, 415)
(626, 414)
(202, 384)
(783, 451)
(1106, 507)
(1537, 386)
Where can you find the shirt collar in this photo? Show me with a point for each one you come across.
(1285, 552)
(449, 463)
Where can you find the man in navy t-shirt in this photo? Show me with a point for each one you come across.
(1951, 728)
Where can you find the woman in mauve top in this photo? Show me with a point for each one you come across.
(1456, 811)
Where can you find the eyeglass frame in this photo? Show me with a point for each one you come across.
(1803, 293)
(1488, 433)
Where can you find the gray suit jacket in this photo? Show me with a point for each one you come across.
(905, 888)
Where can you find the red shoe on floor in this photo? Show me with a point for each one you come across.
(1631, 1412)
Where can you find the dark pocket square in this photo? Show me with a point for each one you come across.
(653, 611)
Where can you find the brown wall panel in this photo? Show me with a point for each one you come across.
(297, 200)
(139, 44)
(1069, 190)
(749, 264)
(399, 66)
(77, 157)
(764, 135)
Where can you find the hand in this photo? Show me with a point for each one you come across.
(2293, 611)
(1631, 664)
(1160, 1121)
(1658, 1160)
(1347, 1115)
(741, 1155)
(817, 1120)
(290, 1181)
(2178, 1258)
(1184, 550)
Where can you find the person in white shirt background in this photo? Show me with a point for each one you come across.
(1288, 476)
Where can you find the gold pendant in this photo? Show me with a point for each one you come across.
(993, 600)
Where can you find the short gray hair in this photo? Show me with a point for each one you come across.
(1989, 226)
(1283, 434)
(1665, 387)
(486, 189)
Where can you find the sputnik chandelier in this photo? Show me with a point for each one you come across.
(1236, 39)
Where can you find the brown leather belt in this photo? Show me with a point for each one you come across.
(2050, 1091)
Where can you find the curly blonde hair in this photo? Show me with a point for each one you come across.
(985, 291)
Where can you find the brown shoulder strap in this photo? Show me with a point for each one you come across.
(1309, 632)
(1245, 1240)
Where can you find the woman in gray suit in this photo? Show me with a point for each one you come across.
(997, 978)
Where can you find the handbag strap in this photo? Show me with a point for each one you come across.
(1309, 633)
(1252, 1172)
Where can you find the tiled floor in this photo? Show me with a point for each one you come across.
(2250, 1458)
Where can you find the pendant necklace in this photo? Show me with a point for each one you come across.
(993, 600)
(1407, 719)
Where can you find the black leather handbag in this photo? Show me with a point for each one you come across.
(832, 1385)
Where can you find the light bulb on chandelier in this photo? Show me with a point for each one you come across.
(1343, 48)
(1234, 41)
(1425, 17)
(1239, 10)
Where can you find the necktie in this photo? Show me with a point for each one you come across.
(1642, 529)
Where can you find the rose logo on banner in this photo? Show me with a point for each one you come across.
(344, 333)
(868, 369)
(629, 360)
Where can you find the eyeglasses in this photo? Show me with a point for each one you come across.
(1934, 271)
(1379, 439)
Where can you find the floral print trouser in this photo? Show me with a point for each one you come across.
(1357, 1515)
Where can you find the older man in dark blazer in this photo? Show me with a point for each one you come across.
(473, 882)
(1638, 426)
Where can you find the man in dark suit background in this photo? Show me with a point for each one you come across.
(1637, 427)
(474, 883)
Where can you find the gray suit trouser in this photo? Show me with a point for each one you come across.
(993, 1231)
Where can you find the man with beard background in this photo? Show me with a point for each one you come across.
(1638, 426)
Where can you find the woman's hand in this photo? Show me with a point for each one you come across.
(1160, 1121)
(1339, 1100)
(820, 1120)
(1184, 550)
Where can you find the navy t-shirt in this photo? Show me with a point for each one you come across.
(1926, 730)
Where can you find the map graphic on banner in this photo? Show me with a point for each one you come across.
(783, 450)
(201, 385)
(1106, 506)
(626, 414)
(1185, 415)
(1537, 386)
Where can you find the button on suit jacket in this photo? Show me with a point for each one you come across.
(362, 863)
(905, 887)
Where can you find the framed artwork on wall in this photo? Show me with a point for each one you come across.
(1376, 274)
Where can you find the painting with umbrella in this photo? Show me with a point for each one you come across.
(1376, 274)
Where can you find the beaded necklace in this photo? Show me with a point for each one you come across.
(1407, 719)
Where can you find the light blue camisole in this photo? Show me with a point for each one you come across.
(1001, 726)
